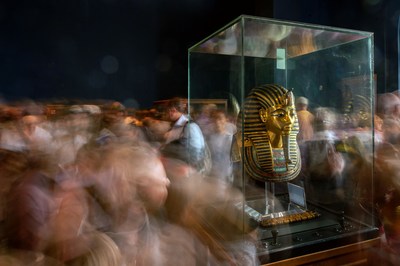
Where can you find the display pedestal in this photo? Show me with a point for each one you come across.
(360, 253)
(325, 232)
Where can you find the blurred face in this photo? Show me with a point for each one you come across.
(378, 123)
(220, 122)
(173, 114)
(78, 122)
(154, 186)
(29, 122)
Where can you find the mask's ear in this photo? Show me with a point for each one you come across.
(263, 115)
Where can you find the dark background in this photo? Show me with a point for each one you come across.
(136, 51)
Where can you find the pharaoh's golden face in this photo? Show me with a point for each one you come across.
(270, 127)
(279, 119)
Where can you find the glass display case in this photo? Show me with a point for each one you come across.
(306, 192)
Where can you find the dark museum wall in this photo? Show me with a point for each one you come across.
(105, 49)
(137, 50)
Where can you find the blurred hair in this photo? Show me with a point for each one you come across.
(386, 104)
(302, 100)
(103, 252)
(218, 114)
(179, 104)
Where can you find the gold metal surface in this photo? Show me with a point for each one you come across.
(269, 127)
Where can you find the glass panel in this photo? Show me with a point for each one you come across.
(266, 70)
(262, 37)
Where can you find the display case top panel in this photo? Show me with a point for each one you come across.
(262, 37)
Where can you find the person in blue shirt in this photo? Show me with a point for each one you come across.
(185, 140)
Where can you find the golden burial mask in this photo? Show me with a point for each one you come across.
(270, 125)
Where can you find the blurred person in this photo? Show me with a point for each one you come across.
(12, 164)
(26, 133)
(10, 113)
(35, 136)
(220, 141)
(210, 208)
(23, 258)
(76, 128)
(130, 182)
(155, 129)
(325, 123)
(387, 123)
(306, 120)
(388, 147)
(323, 164)
(75, 238)
(185, 140)
(387, 199)
(204, 119)
(112, 123)
(388, 105)
(113, 126)
(30, 204)
(10, 138)
(92, 109)
(391, 130)
(356, 174)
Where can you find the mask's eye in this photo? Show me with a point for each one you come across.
(279, 113)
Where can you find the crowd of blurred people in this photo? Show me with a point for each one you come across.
(352, 156)
(96, 185)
